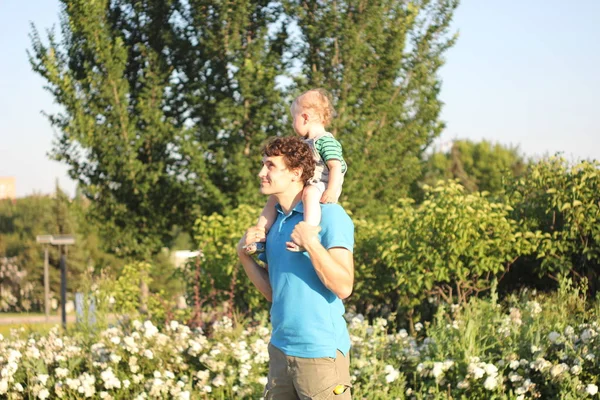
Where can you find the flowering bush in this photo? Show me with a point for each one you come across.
(16, 293)
(529, 347)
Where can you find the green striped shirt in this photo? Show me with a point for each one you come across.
(330, 149)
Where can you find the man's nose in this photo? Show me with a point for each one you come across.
(262, 172)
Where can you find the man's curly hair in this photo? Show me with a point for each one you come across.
(296, 154)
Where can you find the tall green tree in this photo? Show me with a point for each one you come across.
(164, 105)
(380, 59)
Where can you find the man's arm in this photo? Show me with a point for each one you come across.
(334, 267)
(258, 275)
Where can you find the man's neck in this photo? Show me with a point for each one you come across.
(287, 201)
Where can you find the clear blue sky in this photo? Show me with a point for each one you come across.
(524, 72)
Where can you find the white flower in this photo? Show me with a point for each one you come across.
(262, 380)
(591, 389)
(476, 371)
(43, 378)
(44, 394)
(534, 307)
(575, 369)
(491, 369)
(586, 335)
(418, 326)
(514, 377)
(61, 372)
(391, 373)
(148, 354)
(490, 383)
(558, 369)
(3, 386)
(437, 369)
(219, 380)
(149, 329)
(463, 384)
(514, 364)
(185, 395)
(553, 336)
(569, 330)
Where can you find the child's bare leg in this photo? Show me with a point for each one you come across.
(268, 215)
(311, 197)
(265, 221)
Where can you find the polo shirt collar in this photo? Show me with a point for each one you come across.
(299, 208)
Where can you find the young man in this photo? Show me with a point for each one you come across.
(309, 342)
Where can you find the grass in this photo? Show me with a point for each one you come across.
(41, 328)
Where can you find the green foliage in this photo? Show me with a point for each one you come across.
(560, 204)
(21, 221)
(380, 60)
(221, 275)
(165, 104)
(126, 289)
(478, 166)
(451, 245)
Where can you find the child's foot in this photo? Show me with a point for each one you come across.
(293, 247)
(256, 247)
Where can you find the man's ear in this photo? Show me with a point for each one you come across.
(297, 172)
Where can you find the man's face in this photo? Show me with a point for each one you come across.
(275, 176)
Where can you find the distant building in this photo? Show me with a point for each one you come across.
(181, 257)
(7, 188)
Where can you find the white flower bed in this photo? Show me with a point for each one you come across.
(510, 355)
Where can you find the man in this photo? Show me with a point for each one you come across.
(309, 342)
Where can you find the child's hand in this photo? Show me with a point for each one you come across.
(252, 235)
(328, 197)
(305, 233)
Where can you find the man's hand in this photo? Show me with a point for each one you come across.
(328, 197)
(304, 234)
(252, 235)
(258, 275)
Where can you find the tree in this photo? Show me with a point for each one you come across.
(478, 166)
(27, 217)
(163, 104)
(380, 60)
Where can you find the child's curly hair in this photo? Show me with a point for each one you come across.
(319, 101)
(296, 154)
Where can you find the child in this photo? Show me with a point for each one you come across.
(312, 111)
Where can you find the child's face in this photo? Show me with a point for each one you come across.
(300, 120)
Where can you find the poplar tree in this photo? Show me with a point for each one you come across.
(380, 59)
(163, 106)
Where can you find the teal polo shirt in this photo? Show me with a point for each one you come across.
(307, 318)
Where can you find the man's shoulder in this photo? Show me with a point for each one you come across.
(333, 212)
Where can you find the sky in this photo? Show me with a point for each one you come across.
(523, 73)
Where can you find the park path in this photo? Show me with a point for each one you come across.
(33, 319)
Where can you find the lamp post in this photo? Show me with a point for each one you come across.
(56, 240)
